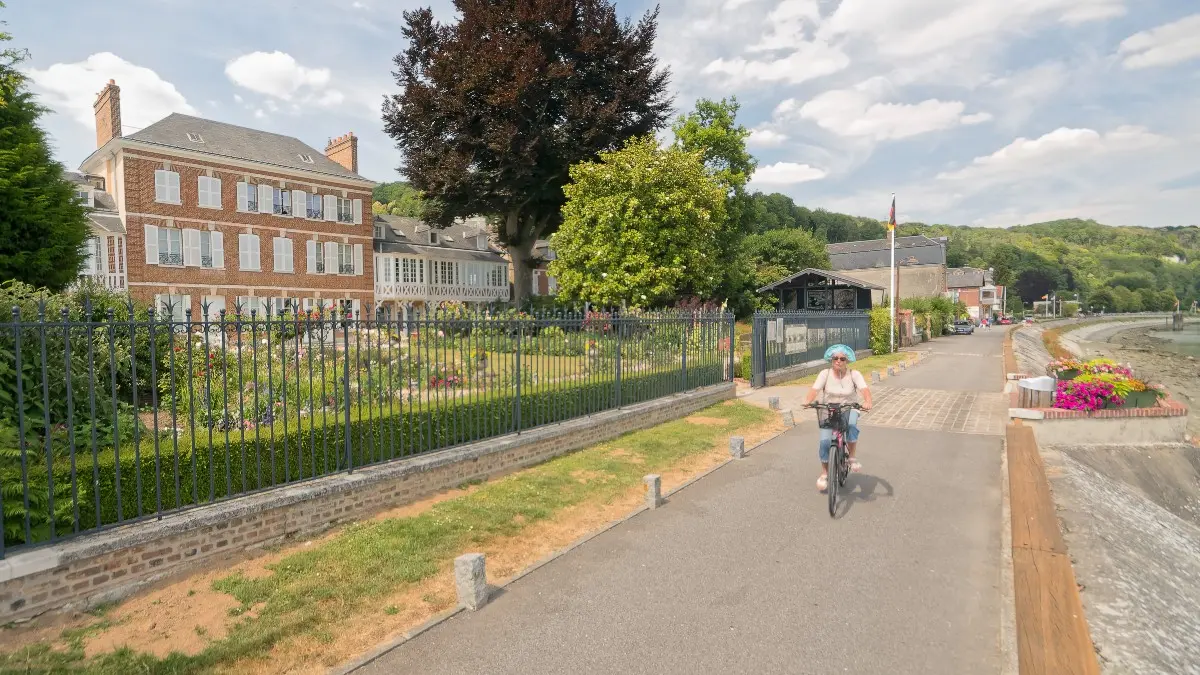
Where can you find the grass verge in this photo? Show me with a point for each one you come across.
(865, 366)
(298, 611)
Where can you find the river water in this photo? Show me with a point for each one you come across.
(1185, 342)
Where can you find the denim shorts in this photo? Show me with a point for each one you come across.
(827, 435)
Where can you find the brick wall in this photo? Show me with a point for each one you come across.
(109, 565)
(142, 209)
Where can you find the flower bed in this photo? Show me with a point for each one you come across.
(1101, 384)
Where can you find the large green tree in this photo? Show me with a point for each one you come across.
(496, 108)
(43, 225)
(776, 254)
(640, 226)
(398, 199)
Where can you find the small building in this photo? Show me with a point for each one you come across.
(817, 290)
(975, 289)
(920, 265)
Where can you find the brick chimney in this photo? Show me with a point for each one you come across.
(108, 113)
(344, 151)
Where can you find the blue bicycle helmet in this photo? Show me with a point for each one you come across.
(840, 348)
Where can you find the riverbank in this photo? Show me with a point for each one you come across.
(1153, 359)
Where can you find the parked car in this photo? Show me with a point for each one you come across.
(963, 327)
(1006, 321)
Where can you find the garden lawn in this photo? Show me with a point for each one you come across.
(302, 610)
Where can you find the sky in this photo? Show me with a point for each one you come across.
(973, 112)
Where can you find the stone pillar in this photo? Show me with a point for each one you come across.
(737, 447)
(653, 491)
(470, 579)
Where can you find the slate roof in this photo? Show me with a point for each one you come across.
(231, 141)
(857, 255)
(457, 242)
(103, 215)
(966, 277)
(849, 281)
(881, 244)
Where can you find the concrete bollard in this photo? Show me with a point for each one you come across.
(874, 375)
(653, 491)
(470, 579)
(737, 447)
(891, 371)
(903, 365)
(773, 403)
(789, 420)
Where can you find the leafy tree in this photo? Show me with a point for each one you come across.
(43, 225)
(1102, 300)
(1125, 300)
(712, 131)
(1133, 280)
(397, 199)
(1037, 280)
(779, 253)
(1151, 301)
(497, 107)
(639, 226)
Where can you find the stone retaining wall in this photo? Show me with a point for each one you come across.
(105, 566)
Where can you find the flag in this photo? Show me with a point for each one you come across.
(1044, 297)
(892, 215)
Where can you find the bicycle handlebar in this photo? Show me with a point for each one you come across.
(828, 406)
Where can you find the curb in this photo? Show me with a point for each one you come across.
(381, 650)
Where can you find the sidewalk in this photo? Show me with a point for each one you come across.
(744, 571)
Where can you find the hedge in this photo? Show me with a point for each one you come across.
(209, 472)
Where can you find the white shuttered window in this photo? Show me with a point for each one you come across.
(248, 253)
(209, 190)
(166, 186)
(283, 254)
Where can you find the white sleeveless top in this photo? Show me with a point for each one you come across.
(839, 389)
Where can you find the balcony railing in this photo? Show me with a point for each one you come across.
(206, 261)
(345, 268)
(392, 290)
(167, 258)
(315, 214)
(345, 217)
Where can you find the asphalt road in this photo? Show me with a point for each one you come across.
(745, 572)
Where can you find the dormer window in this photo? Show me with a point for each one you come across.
(433, 237)
(307, 159)
(194, 137)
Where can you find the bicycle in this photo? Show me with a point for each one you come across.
(833, 416)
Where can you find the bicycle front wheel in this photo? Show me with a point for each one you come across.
(836, 454)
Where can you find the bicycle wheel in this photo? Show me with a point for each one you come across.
(835, 460)
(844, 466)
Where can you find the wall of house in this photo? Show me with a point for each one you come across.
(916, 281)
(142, 209)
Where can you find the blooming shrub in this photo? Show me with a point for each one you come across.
(1086, 396)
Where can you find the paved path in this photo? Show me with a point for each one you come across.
(745, 572)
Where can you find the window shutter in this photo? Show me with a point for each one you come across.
(330, 208)
(215, 185)
(299, 204)
(358, 260)
(217, 242)
(173, 186)
(331, 257)
(243, 245)
(356, 308)
(255, 257)
(201, 193)
(358, 212)
(243, 197)
(311, 256)
(191, 248)
(276, 255)
(266, 198)
(160, 185)
(151, 244)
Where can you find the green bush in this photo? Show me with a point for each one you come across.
(880, 319)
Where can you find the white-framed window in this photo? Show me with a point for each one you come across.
(284, 307)
(212, 306)
(166, 186)
(314, 257)
(249, 303)
(248, 197)
(282, 205)
(86, 197)
(315, 208)
(433, 238)
(473, 274)
(497, 277)
(282, 247)
(552, 284)
(91, 256)
(248, 253)
(173, 306)
(210, 250)
(194, 137)
(345, 259)
(345, 210)
(209, 190)
(170, 246)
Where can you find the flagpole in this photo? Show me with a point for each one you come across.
(892, 276)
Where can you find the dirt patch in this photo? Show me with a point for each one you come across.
(706, 421)
(625, 455)
(584, 476)
(167, 620)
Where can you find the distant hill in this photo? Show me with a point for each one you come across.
(398, 199)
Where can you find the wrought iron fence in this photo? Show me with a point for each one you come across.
(782, 339)
(107, 419)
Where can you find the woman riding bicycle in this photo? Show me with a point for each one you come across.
(839, 384)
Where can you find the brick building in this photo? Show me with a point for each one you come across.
(974, 288)
(213, 214)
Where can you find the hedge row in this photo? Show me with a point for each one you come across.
(206, 472)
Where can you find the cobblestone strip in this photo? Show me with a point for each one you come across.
(935, 410)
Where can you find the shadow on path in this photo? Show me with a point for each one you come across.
(861, 487)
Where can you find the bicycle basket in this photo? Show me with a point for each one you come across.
(827, 419)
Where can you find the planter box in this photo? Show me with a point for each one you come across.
(1141, 399)
(1065, 375)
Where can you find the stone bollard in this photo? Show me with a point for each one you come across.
(737, 447)
(789, 420)
(874, 375)
(891, 371)
(653, 491)
(470, 578)
(903, 365)
(773, 403)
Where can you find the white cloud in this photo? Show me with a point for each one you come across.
(1049, 153)
(71, 89)
(277, 74)
(859, 113)
(1094, 11)
(1032, 84)
(786, 173)
(765, 137)
(790, 24)
(1165, 45)
(809, 61)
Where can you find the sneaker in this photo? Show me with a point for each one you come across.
(855, 466)
(823, 483)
